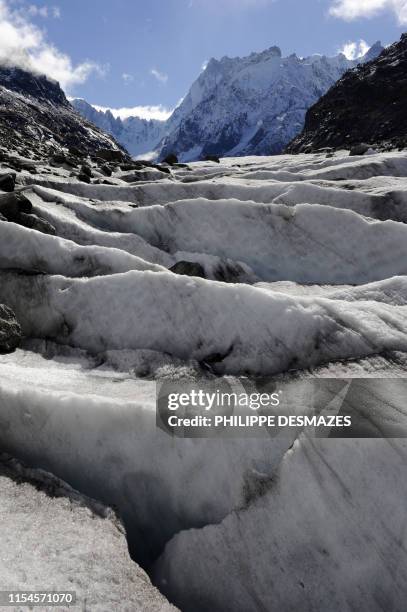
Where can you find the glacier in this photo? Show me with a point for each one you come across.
(313, 257)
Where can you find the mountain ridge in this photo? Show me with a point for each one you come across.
(37, 120)
(137, 135)
(252, 105)
(365, 106)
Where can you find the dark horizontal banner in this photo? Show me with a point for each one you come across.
(322, 407)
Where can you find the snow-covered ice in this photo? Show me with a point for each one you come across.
(251, 330)
(104, 281)
(329, 534)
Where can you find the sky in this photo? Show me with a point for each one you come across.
(127, 54)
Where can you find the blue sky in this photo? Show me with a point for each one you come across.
(127, 53)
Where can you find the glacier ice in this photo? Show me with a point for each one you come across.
(245, 523)
(320, 538)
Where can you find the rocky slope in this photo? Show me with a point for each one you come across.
(367, 105)
(252, 105)
(36, 119)
(138, 136)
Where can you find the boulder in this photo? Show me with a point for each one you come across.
(34, 222)
(7, 182)
(84, 178)
(132, 178)
(111, 155)
(103, 182)
(58, 159)
(76, 152)
(136, 165)
(147, 164)
(71, 161)
(360, 149)
(188, 268)
(10, 330)
(106, 170)
(86, 169)
(161, 168)
(171, 159)
(12, 204)
(27, 166)
(212, 158)
(18, 165)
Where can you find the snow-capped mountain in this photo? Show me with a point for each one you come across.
(138, 136)
(252, 105)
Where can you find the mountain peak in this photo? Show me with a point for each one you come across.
(252, 105)
(275, 51)
(31, 84)
(374, 51)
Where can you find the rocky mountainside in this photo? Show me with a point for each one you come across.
(138, 136)
(252, 105)
(36, 119)
(367, 105)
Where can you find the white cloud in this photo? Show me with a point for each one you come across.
(37, 11)
(353, 50)
(144, 112)
(33, 10)
(160, 76)
(127, 78)
(25, 45)
(354, 9)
